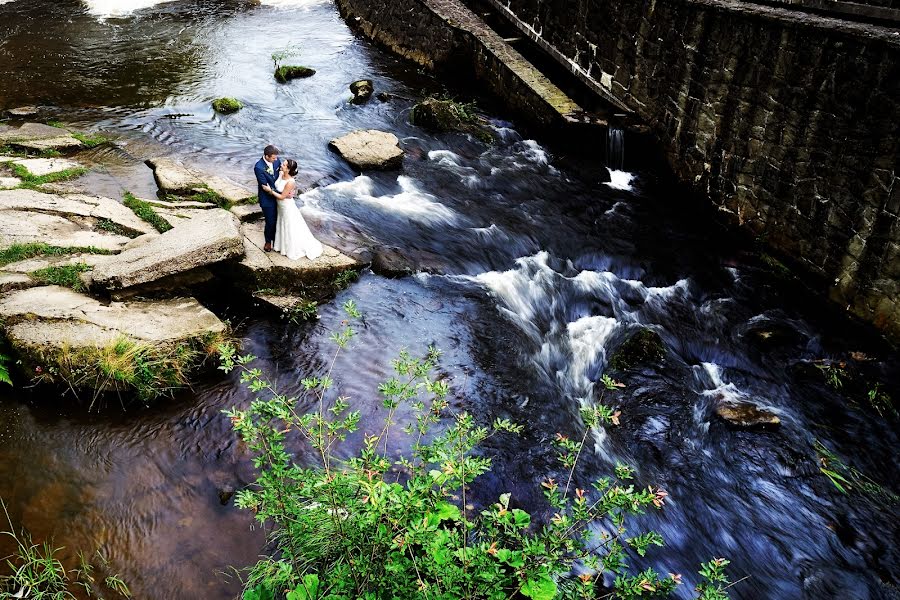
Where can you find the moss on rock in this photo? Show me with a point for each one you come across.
(287, 72)
(445, 115)
(645, 345)
(227, 105)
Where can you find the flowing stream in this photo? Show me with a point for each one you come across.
(531, 275)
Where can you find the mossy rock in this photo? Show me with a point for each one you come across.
(288, 72)
(362, 91)
(227, 105)
(645, 345)
(448, 115)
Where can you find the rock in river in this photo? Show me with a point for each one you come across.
(362, 91)
(747, 415)
(36, 136)
(369, 149)
(176, 179)
(209, 237)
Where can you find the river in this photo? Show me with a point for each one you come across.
(532, 273)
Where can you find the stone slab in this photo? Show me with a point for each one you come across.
(24, 227)
(247, 212)
(8, 183)
(23, 111)
(210, 237)
(14, 281)
(177, 179)
(37, 136)
(369, 149)
(45, 166)
(78, 205)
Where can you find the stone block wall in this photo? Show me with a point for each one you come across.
(789, 122)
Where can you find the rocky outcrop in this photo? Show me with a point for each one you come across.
(369, 149)
(270, 270)
(210, 237)
(176, 179)
(39, 137)
(28, 216)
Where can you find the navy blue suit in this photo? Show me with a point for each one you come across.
(267, 201)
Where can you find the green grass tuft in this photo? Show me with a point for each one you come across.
(113, 227)
(18, 252)
(64, 275)
(227, 105)
(32, 182)
(146, 212)
(90, 140)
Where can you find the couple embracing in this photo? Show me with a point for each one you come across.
(286, 230)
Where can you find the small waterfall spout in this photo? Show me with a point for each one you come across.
(615, 148)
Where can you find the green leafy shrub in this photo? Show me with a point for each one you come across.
(377, 525)
(145, 211)
(227, 105)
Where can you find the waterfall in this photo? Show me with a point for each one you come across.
(615, 148)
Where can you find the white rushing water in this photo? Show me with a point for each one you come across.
(119, 8)
(620, 180)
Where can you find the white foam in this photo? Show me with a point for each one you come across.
(292, 3)
(587, 338)
(620, 180)
(410, 201)
(119, 8)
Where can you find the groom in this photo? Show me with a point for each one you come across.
(266, 171)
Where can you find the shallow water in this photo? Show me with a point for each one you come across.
(532, 274)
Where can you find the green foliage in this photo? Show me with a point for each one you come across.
(386, 525)
(304, 310)
(18, 252)
(834, 374)
(848, 479)
(64, 275)
(206, 196)
(30, 181)
(227, 105)
(4, 369)
(444, 114)
(113, 227)
(881, 401)
(343, 279)
(279, 56)
(57, 124)
(145, 211)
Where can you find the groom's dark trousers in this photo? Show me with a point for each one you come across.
(267, 202)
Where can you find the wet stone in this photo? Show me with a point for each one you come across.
(369, 149)
(746, 415)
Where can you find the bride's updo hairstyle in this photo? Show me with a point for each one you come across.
(292, 167)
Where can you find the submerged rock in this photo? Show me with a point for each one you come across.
(362, 91)
(369, 149)
(23, 112)
(747, 415)
(448, 115)
(227, 105)
(210, 237)
(643, 346)
(286, 73)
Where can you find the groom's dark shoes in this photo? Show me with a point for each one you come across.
(268, 247)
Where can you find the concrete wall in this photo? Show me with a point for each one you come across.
(787, 121)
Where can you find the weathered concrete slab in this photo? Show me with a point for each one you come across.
(45, 166)
(178, 179)
(42, 262)
(14, 281)
(24, 227)
(369, 149)
(37, 136)
(270, 270)
(247, 212)
(8, 183)
(210, 237)
(43, 322)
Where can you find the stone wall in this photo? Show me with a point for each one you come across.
(789, 122)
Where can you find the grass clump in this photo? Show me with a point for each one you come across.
(303, 310)
(378, 523)
(227, 105)
(65, 275)
(343, 279)
(90, 140)
(145, 211)
(30, 181)
(18, 252)
(204, 195)
(37, 574)
(112, 227)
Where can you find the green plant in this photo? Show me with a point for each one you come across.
(64, 275)
(227, 105)
(19, 252)
(285, 73)
(113, 227)
(145, 211)
(56, 124)
(4, 369)
(343, 279)
(834, 374)
(30, 181)
(881, 401)
(846, 478)
(382, 525)
(304, 310)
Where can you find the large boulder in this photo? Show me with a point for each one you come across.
(177, 179)
(270, 270)
(61, 335)
(36, 136)
(369, 149)
(28, 216)
(209, 237)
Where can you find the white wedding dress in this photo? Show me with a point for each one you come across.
(292, 235)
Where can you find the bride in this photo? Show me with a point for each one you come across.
(292, 236)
